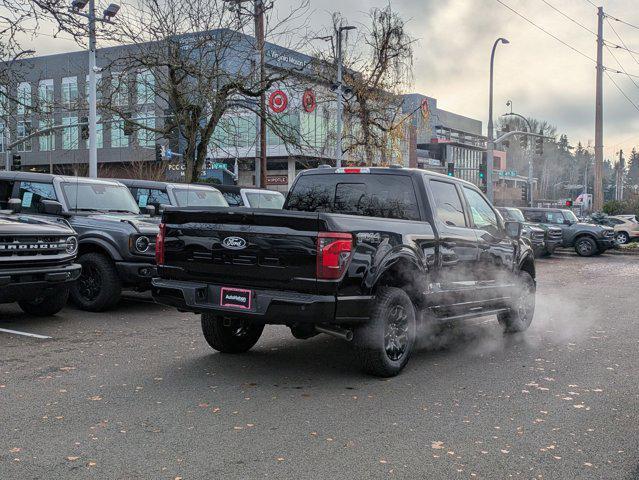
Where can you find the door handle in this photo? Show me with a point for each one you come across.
(449, 244)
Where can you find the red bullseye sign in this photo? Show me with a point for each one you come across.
(278, 101)
(308, 100)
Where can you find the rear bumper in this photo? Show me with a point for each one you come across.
(25, 282)
(268, 306)
(136, 274)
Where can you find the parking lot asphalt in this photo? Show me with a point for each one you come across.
(136, 393)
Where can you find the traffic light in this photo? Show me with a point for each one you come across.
(451, 169)
(158, 152)
(84, 128)
(524, 192)
(569, 203)
(523, 142)
(539, 144)
(16, 163)
(482, 172)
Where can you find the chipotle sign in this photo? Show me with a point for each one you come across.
(277, 179)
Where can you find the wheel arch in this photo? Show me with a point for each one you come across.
(527, 264)
(405, 271)
(97, 245)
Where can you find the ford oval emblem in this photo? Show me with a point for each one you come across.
(234, 243)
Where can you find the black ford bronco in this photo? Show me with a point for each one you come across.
(364, 254)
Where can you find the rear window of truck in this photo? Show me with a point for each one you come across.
(370, 195)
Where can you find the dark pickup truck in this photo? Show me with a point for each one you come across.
(36, 262)
(364, 254)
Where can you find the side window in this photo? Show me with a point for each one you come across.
(448, 205)
(158, 197)
(554, 217)
(32, 194)
(234, 199)
(483, 215)
(533, 216)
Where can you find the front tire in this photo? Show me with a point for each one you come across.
(385, 344)
(229, 335)
(99, 287)
(522, 309)
(46, 305)
(586, 247)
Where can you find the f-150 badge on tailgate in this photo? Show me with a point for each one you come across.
(234, 243)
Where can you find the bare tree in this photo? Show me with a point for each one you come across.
(377, 72)
(195, 62)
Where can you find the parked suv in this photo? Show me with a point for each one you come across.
(586, 238)
(626, 228)
(544, 238)
(164, 194)
(36, 261)
(116, 242)
(363, 254)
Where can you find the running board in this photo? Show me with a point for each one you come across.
(474, 314)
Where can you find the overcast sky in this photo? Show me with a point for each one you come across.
(542, 77)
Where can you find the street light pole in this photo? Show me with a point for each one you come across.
(340, 97)
(109, 13)
(490, 146)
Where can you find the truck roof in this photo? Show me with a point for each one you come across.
(394, 170)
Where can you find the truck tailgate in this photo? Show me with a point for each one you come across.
(258, 248)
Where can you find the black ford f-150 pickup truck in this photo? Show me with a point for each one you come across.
(36, 262)
(364, 254)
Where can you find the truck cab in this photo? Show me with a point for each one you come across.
(116, 241)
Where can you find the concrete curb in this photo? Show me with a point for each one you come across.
(617, 252)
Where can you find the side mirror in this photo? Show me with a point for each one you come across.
(150, 210)
(513, 229)
(51, 207)
(567, 222)
(14, 205)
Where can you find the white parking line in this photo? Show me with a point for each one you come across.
(26, 334)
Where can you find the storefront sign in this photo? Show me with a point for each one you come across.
(277, 179)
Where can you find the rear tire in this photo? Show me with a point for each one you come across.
(99, 287)
(522, 308)
(46, 305)
(239, 336)
(586, 247)
(385, 343)
(622, 238)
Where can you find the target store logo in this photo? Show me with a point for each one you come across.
(278, 101)
(308, 101)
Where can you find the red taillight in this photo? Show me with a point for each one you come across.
(159, 245)
(333, 253)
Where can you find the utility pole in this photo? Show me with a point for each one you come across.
(598, 186)
(621, 166)
(259, 33)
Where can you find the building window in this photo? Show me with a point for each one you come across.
(24, 98)
(285, 129)
(23, 130)
(120, 90)
(145, 87)
(118, 138)
(99, 132)
(146, 138)
(47, 141)
(70, 133)
(70, 92)
(45, 96)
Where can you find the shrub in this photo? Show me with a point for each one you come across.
(614, 207)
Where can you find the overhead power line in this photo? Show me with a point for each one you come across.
(621, 40)
(622, 92)
(569, 18)
(622, 21)
(621, 66)
(546, 31)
